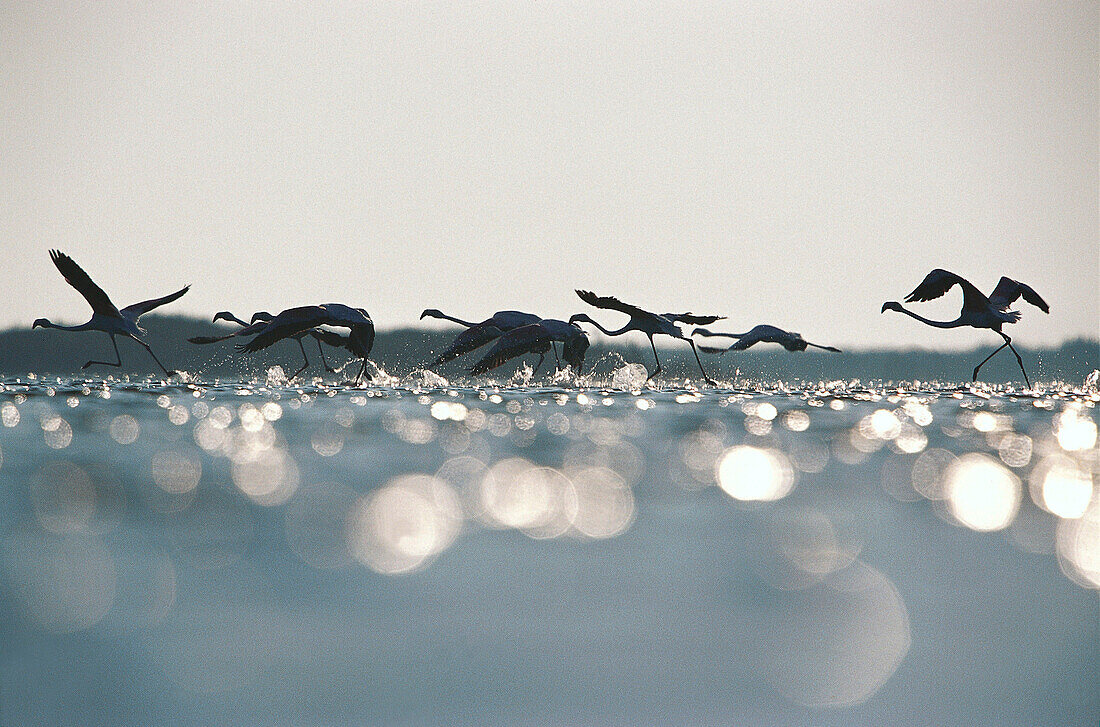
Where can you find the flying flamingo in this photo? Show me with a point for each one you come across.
(258, 321)
(762, 334)
(105, 316)
(978, 311)
(294, 321)
(479, 334)
(648, 323)
(537, 338)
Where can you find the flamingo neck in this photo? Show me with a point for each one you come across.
(606, 332)
(50, 324)
(459, 321)
(937, 324)
(227, 316)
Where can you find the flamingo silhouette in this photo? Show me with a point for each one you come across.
(761, 334)
(537, 338)
(294, 321)
(259, 319)
(481, 333)
(651, 324)
(978, 311)
(105, 316)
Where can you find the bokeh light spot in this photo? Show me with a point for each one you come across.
(752, 473)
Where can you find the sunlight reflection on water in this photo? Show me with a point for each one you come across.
(392, 481)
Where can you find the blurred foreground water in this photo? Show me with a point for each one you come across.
(245, 554)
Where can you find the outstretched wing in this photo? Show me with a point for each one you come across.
(472, 338)
(75, 276)
(289, 323)
(332, 338)
(506, 320)
(1008, 291)
(212, 339)
(274, 332)
(692, 319)
(246, 330)
(516, 342)
(135, 311)
(609, 303)
(939, 281)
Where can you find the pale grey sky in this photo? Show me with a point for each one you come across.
(790, 163)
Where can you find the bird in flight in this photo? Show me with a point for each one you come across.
(479, 334)
(537, 338)
(258, 320)
(105, 316)
(978, 310)
(293, 321)
(761, 334)
(651, 324)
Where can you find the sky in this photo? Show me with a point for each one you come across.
(787, 163)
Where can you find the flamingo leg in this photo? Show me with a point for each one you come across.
(1006, 343)
(706, 378)
(658, 369)
(118, 358)
(324, 361)
(305, 360)
(150, 350)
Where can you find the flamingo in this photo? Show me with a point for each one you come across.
(105, 316)
(258, 320)
(537, 338)
(648, 323)
(762, 334)
(479, 334)
(294, 321)
(978, 311)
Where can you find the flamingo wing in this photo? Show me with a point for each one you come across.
(75, 276)
(332, 338)
(135, 311)
(532, 338)
(506, 320)
(472, 338)
(289, 323)
(345, 316)
(212, 339)
(939, 281)
(1008, 291)
(692, 319)
(610, 303)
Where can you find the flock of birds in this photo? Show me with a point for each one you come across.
(514, 333)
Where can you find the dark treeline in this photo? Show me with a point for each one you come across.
(405, 350)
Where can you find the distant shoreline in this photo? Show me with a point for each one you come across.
(404, 350)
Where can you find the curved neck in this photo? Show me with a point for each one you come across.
(606, 332)
(938, 324)
(227, 316)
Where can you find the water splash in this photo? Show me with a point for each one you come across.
(522, 376)
(275, 376)
(425, 378)
(629, 377)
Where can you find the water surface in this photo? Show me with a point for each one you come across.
(421, 553)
